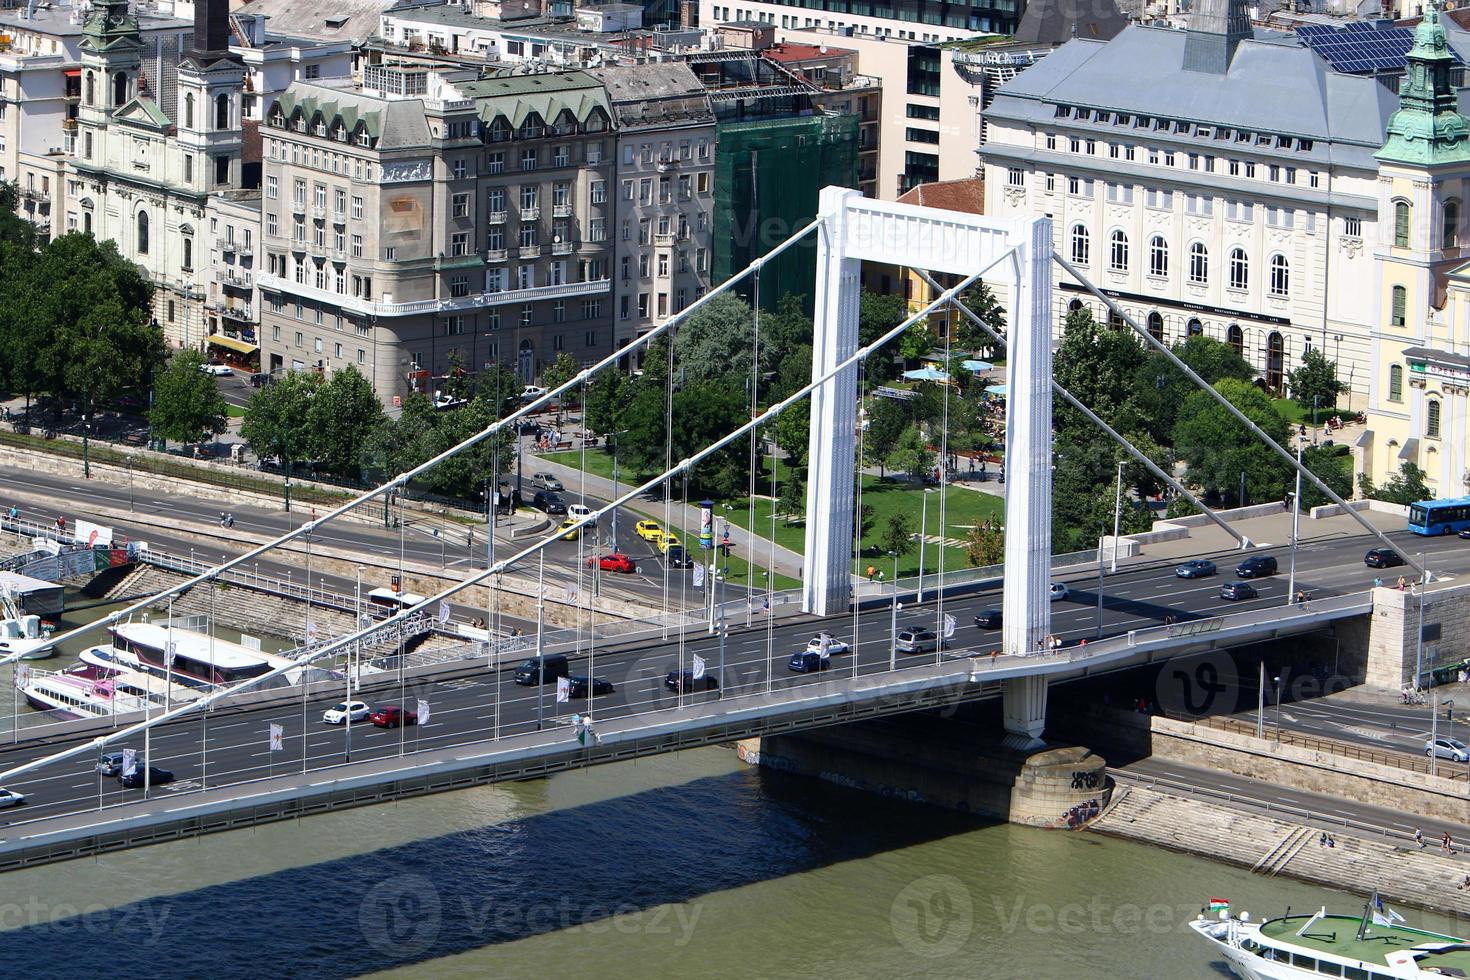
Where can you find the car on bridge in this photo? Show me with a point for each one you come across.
(988, 619)
(1196, 568)
(1236, 591)
(1447, 748)
(615, 562)
(133, 778)
(545, 481)
(9, 797)
(111, 763)
(549, 503)
(807, 662)
(527, 674)
(392, 716)
(1382, 558)
(346, 711)
(826, 643)
(1059, 591)
(916, 640)
(684, 681)
(1256, 566)
(577, 687)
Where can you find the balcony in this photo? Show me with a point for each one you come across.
(475, 301)
(339, 217)
(529, 252)
(664, 238)
(68, 125)
(468, 260)
(298, 207)
(30, 193)
(497, 217)
(339, 255)
(231, 275)
(246, 251)
(562, 161)
(561, 210)
(319, 212)
(561, 248)
(496, 254)
(665, 165)
(299, 245)
(532, 213)
(239, 311)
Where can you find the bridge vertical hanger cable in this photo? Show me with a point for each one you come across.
(683, 585)
(1093, 417)
(536, 548)
(857, 517)
(402, 639)
(771, 565)
(204, 717)
(492, 615)
(945, 476)
(668, 465)
(1240, 416)
(309, 631)
(588, 604)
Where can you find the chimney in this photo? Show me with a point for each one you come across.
(1215, 29)
(211, 29)
(689, 14)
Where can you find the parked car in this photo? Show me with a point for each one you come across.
(549, 502)
(111, 763)
(345, 711)
(916, 640)
(1447, 748)
(545, 481)
(527, 675)
(577, 687)
(677, 557)
(807, 662)
(988, 619)
(826, 643)
(532, 392)
(685, 682)
(1256, 566)
(217, 369)
(444, 400)
(133, 778)
(1196, 568)
(1382, 558)
(615, 562)
(1059, 590)
(392, 716)
(1235, 591)
(9, 797)
(649, 530)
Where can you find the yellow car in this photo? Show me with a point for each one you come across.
(571, 535)
(665, 541)
(649, 530)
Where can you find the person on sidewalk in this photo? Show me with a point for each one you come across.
(1419, 838)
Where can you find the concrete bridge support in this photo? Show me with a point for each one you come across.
(1024, 711)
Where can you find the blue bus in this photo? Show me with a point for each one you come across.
(1448, 516)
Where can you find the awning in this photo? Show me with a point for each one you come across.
(975, 367)
(233, 344)
(1410, 450)
(996, 390)
(926, 374)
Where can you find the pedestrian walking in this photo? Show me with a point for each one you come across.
(1402, 584)
(1419, 838)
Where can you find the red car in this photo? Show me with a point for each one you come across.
(616, 562)
(391, 716)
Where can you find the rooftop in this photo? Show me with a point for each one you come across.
(1337, 935)
(655, 94)
(966, 195)
(57, 21)
(349, 20)
(789, 52)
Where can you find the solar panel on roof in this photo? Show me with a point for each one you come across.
(1362, 46)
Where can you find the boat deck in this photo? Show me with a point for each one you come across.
(1337, 935)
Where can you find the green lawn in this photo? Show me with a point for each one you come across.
(235, 411)
(1297, 415)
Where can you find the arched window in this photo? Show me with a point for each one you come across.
(222, 112)
(1080, 245)
(1431, 418)
(1118, 252)
(91, 89)
(1194, 328)
(1156, 326)
(189, 111)
(1399, 316)
(1280, 276)
(142, 232)
(1199, 263)
(188, 252)
(1074, 306)
(1401, 224)
(1275, 361)
(119, 89)
(1115, 320)
(1451, 224)
(1236, 338)
(1239, 269)
(1158, 256)
(1396, 383)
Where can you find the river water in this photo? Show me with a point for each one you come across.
(691, 865)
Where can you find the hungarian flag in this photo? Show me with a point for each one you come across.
(1216, 904)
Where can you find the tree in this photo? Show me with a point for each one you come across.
(792, 501)
(14, 230)
(275, 417)
(887, 420)
(1098, 366)
(187, 405)
(898, 534)
(981, 301)
(912, 454)
(340, 419)
(714, 342)
(605, 400)
(1333, 465)
(1160, 387)
(865, 521)
(560, 371)
(879, 313)
(793, 432)
(784, 330)
(400, 444)
(916, 342)
(702, 413)
(1218, 449)
(1315, 383)
(1407, 486)
(456, 379)
(985, 545)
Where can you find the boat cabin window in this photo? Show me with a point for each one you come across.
(1329, 969)
(1304, 962)
(1355, 973)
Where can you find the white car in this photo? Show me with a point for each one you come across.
(578, 511)
(826, 644)
(9, 797)
(443, 400)
(339, 714)
(1448, 748)
(1059, 590)
(532, 392)
(217, 369)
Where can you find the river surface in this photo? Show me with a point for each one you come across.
(690, 865)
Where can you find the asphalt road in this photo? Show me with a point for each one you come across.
(474, 706)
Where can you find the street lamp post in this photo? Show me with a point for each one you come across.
(893, 619)
(1277, 681)
(1296, 511)
(923, 533)
(1099, 582)
(1117, 516)
(1261, 702)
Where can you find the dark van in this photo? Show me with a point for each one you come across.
(556, 666)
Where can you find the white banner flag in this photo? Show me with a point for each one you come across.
(699, 576)
(130, 760)
(22, 675)
(423, 712)
(563, 689)
(277, 739)
(698, 672)
(443, 611)
(310, 631)
(948, 626)
(170, 652)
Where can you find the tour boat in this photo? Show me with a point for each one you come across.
(199, 661)
(26, 636)
(82, 691)
(1373, 946)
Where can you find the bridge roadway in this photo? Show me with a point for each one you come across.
(473, 704)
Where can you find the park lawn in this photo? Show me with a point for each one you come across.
(1297, 415)
(600, 463)
(963, 508)
(234, 411)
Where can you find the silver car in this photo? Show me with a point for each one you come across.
(916, 640)
(1447, 748)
